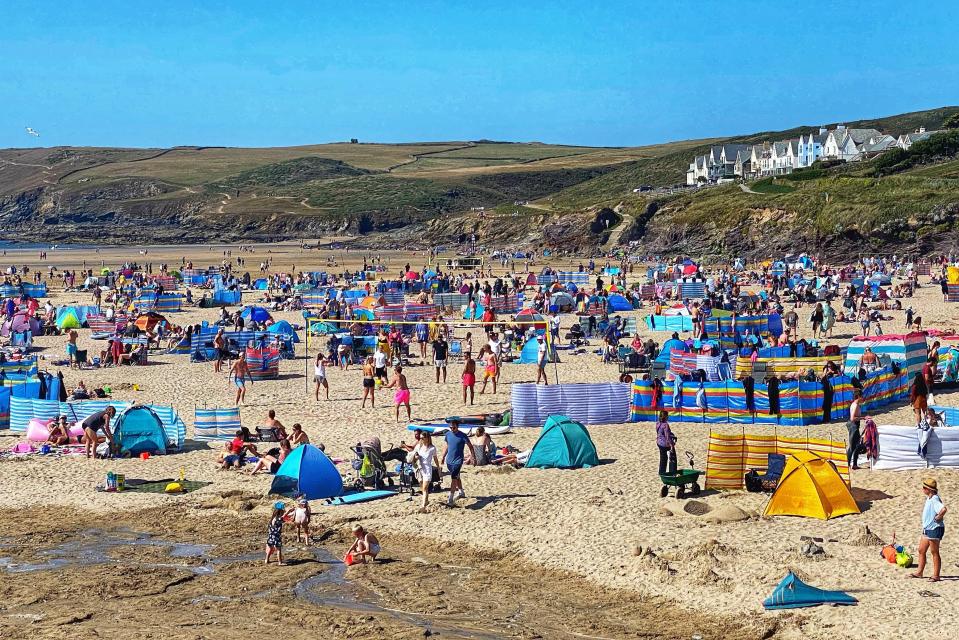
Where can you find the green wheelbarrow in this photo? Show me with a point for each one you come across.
(682, 479)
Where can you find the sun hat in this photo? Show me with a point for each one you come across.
(930, 483)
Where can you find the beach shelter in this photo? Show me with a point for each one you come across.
(908, 350)
(363, 314)
(140, 430)
(369, 302)
(562, 301)
(563, 444)
(810, 487)
(284, 328)
(531, 280)
(260, 284)
(68, 318)
(529, 354)
(793, 593)
(617, 302)
(307, 472)
(148, 321)
(256, 314)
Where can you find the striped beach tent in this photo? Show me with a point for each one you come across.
(908, 351)
(216, 424)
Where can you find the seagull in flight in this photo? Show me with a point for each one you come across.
(33, 132)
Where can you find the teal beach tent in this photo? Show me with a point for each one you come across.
(563, 444)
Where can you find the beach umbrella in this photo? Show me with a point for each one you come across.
(412, 275)
(528, 315)
(369, 302)
(147, 321)
(363, 314)
(256, 314)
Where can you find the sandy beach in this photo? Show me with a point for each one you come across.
(583, 528)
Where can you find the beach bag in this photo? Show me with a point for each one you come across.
(889, 551)
(903, 559)
(366, 468)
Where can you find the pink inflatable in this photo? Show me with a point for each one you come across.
(39, 430)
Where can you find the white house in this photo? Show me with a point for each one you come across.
(906, 140)
(846, 144)
(810, 147)
(719, 163)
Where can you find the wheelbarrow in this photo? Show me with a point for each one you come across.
(681, 479)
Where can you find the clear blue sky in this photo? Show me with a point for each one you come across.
(265, 73)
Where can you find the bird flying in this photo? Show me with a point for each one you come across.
(33, 132)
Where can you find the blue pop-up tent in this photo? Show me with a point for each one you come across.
(563, 444)
(307, 472)
(283, 327)
(257, 314)
(617, 302)
(793, 593)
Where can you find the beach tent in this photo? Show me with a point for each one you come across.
(363, 314)
(260, 284)
(617, 302)
(285, 328)
(793, 593)
(563, 444)
(307, 472)
(562, 300)
(139, 429)
(68, 318)
(530, 353)
(256, 314)
(811, 487)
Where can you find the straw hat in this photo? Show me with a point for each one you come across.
(930, 483)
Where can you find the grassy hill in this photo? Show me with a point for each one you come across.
(191, 193)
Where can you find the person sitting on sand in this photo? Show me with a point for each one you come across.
(366, 546)
(274, 425)
(298, 436)
(59, 433)
(483, 447)
(236, 451)
(273, 458)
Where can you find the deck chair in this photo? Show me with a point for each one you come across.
(768, 481)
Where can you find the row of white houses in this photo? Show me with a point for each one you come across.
(732, 161)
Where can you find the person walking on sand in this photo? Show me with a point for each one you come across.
(933, 528)
(274, 535)
(369, 383)
(319, 376)
(426, 461)
(490, 368)
(455, 453)
(853, 429)
(402, 394)
(469, 377)
(239, 373)
(666, 442)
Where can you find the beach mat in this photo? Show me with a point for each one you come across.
(361, 496)
(159, 486)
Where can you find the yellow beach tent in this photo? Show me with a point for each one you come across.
(811, 487)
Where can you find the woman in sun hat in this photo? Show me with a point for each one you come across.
(933, 529)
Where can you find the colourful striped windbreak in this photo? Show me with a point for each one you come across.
(781, 367)
(730, 456)
(908, 351)
(264, 363)
(799, 402)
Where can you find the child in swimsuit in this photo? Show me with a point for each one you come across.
(301, 518)
(402, 395)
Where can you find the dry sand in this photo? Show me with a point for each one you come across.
(606, 524)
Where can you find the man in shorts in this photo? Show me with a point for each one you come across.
(239, 374)
(440, 352)
(94, 423)
(469, 376)
(455, 453)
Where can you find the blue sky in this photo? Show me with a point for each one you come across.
(265, 73)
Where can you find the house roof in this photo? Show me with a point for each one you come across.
(859, 136)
